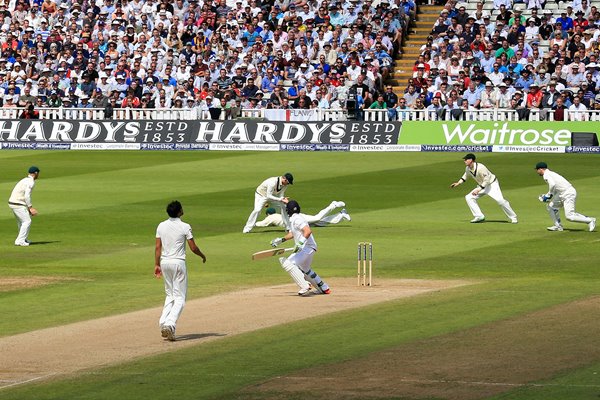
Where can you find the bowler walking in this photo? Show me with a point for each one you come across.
(20, 204)
(169, 262)
(487, 184)
(561, 194)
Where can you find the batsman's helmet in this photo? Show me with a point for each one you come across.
(292, 207)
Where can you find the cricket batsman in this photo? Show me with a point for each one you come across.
(301, 259)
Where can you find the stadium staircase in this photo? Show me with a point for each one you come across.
(417, 37)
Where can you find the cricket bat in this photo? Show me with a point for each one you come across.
(270, 253)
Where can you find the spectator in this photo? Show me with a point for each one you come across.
(534, 97)
(436, 108)
(391, 100)
(472, 96)
(30, 112)
(578, 111)
(488, 96)
(559, 109)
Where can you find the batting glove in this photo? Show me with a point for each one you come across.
(544, 198)
(277, 242)
(299, 245)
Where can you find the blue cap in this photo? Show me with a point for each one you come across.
(33, 169)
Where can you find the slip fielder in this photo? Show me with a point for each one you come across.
(487, 184)
(271, 190)
(20, 204)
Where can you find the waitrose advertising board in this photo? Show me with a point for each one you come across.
(493, 133)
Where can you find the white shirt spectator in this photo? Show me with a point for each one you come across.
(577, 111)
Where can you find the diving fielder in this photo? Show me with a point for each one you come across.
(561, 194)
(271, 190)
(20, 204)
(300, 261)
(487, 183)
(322, 218)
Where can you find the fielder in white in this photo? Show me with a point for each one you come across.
(169, 262)
(20, 204)
(271, 190)
(298, 265)
(322, 218)
(487, 184)
(561, 194)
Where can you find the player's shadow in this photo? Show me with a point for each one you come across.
(280, 230)
(197, 336)
(43, 242)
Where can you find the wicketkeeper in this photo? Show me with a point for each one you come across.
(561, 194)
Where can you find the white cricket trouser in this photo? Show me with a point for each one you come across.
(303, 259)
(174, 274)
(567, 201)
(492, 190)
(23, 222)
(259, 205)
(331, 219)
(322, 215)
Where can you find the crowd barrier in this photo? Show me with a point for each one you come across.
(374, 115)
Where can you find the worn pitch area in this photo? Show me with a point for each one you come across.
(73, 348)
(471, 364)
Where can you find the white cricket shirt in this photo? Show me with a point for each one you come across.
(173, 233)
(557, 184)
(21, 193)
(297, 223)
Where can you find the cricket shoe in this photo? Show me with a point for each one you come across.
(168, 332)
(592, 225)
(514, 221)
(477, 220)
(345, 215)
(246, 230)
(304, 292)
(24, 244)
(555, 228)
(327, 291)
(338, 204)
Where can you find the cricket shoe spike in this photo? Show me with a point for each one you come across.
(168, 332)
(345, 215)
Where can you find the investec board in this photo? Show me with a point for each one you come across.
(470, 136)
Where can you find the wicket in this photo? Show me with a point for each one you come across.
(362, 263)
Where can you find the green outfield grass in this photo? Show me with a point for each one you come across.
(99, 211)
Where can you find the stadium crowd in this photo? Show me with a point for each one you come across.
(517, 56)
(198, 53)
